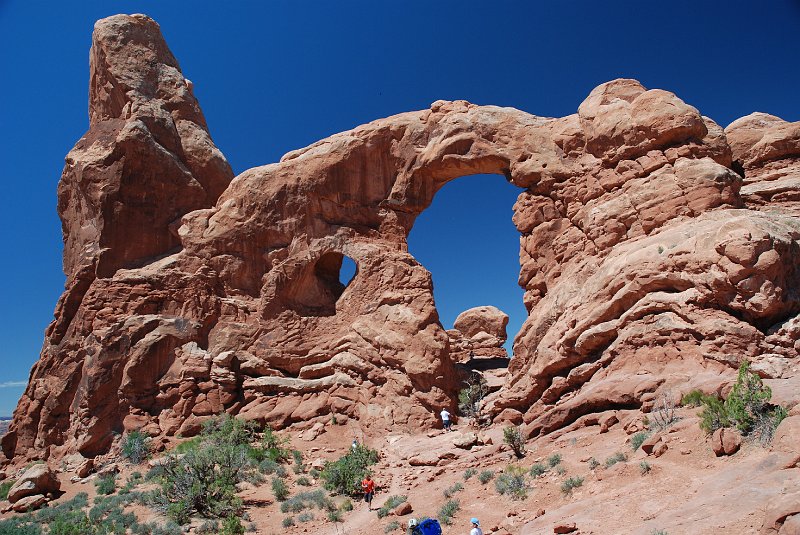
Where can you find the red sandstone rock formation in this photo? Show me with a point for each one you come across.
(646, 262)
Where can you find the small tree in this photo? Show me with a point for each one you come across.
(470, 398)
(136, 447)
(345, 474)
(747, 408)
(515, 439)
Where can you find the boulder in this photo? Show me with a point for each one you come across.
(777, 513)
(29, 503)
(403, 509)
(465, 440)
(725, 441)
(38, 479)
(565, 527)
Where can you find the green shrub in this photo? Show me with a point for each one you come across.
(515, 439)
(644, 467)
(485, 476)
(106, 484)
(616, 458)
(5, 486)
(468, 473)
(334, 516)
(747, 408)
(638, 438)
(344, 475)
(554, 460)
(593, 463)
(447, 511)
(304, 481)
(392, 526)
(390, 503)
(693, 398)
(538, 469)
(570, 484)
(307, 500)
(280, 489)
(232, 526)
(188, 445)
(449, 491)
(204, 479)
(209, 527)
(560, 470)
(512, 482)
(346, 505)
(136, 447)
(288, 522)
(306, 517)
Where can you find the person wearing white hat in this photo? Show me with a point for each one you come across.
(476, 527)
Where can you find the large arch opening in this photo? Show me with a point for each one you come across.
(466, 239)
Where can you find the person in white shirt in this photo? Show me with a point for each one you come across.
(476, 527)
(445, 420)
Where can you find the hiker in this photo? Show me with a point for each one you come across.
(476, 527)
(445, 420)
(368, 486)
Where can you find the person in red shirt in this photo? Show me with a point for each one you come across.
(368, 486)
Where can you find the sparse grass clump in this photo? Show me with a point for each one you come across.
(5, 486)
(512, 482)
(307, 500)
(449, 491)
(288, 522)
(106, 484)
(390, 503)
(136, 447)
(485, 476)
(308, 516)
(346, 505)
(448, 511)
(345, 474)
(303, 481)
(593, 463)
(392, 526)
(554, 460)
(616, 458)
(638, 439)
(335, 516)
(468, 473)
(570, 484)
(515, 440)
(538, 469)
(644, 467)
(280, 489)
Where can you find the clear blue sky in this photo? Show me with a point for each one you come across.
(278, 75)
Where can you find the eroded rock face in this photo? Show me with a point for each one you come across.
(643, 264)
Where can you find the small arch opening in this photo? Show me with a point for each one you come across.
(348, 271)
(320, 286)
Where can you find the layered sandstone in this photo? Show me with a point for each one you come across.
(646, 261)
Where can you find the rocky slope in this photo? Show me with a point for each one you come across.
(657, 251)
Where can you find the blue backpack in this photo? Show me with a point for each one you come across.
(429, 526)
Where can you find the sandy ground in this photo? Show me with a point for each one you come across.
(687, 490)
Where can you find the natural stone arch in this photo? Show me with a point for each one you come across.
(637, 247)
